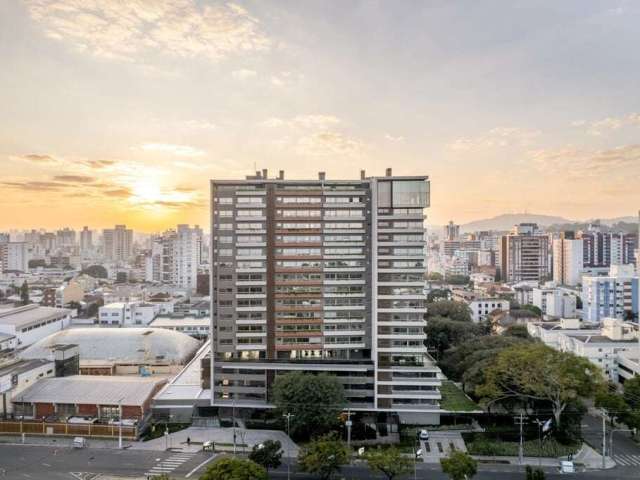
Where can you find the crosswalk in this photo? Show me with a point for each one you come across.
(169, 464)
(627, 460)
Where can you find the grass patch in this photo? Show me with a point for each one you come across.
(157, 430)
(455, 400)
(478, 444)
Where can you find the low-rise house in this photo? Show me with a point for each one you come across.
(603, 346)
(482, 307)
(197, 327)
(501, 320)
(124, 314)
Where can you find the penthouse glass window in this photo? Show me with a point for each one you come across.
(410, 193)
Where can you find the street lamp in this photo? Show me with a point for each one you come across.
(288, 417)
(120, 424)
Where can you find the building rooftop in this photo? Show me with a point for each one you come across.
(121, 345)
(92, 390)
(599, 339)
(31, 314)
(178, 320)
(22, 366)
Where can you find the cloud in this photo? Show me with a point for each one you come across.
(608, 124)
(118, 192)
(74, 178)
(34, 158)
(574, 162)
(36, 186)
(99, 163)
(498, 137)
(391, 138)
(179, 150)
(136, 30)
(243, 74)
(302, 121)
(329, 143)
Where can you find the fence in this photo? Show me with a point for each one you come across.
(29, 427)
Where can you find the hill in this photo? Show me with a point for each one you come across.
(508, 220)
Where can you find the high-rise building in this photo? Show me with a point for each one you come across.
(524, 254)
(86, 240)
(14, 256)
(616, 295)
(453, 231)
(567, 259)
(603, 249)
(65, 237)
(175, 257)
(321, 275)
(118, 243)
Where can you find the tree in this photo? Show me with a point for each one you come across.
(459, 465)
(96, 271)
(632, 392)
(444, 333)
(458, 311)
(323, 456)
(534, 473)
(612, 402)
(231, 468)
(388, 461)
(457, 279)
(519, 331)
(533, 309)
(536, 372)
(315, 400)
(467, 361)
(438, 293)
(435, 277)
(24, 293)
(268, 454)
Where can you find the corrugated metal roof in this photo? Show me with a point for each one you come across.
(30, 314)
(91, 390)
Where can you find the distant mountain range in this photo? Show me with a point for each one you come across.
(508, 220)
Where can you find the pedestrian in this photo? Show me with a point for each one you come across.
(188, 441)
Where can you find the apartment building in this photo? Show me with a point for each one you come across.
(616, 295)
(321, 275)
(86, 240)
(14, 256)
(175, 257)
(118, 243)
(524, 254)
(567, 259)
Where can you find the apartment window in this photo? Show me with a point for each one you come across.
(225, 200)
(225, 213)
(249, 213)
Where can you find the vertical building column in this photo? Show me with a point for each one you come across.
(271, 263)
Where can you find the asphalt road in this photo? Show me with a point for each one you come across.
(48, 463)
(625, 451)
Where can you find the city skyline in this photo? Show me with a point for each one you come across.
(509, 107)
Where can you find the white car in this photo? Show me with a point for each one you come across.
(423, 435)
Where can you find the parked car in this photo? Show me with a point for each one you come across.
(423, 435)
(79, 442)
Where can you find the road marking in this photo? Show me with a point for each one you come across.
(200, 466)
(619, 459)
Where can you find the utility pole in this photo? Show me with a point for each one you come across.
(348, 423)
(288, 417)
(233, 419)
(520, 421)
(604, 437)
(120, 424)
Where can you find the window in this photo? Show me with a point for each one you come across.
(410, 193)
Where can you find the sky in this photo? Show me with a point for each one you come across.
(121, 111)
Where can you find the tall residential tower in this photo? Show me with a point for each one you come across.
(321, 275)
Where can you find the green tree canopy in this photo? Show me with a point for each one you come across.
(533, 309)
(444, 333)
(96, 271)
(458, 311)
(323, 456)
(457, 279)
(459, 465)
(539, 373)
(388, 461)
(268, 454)
(24, 293)
(315, 400)
(231, 468)
(632, 392)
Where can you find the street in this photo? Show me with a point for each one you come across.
(625, 451)
(49, 463)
